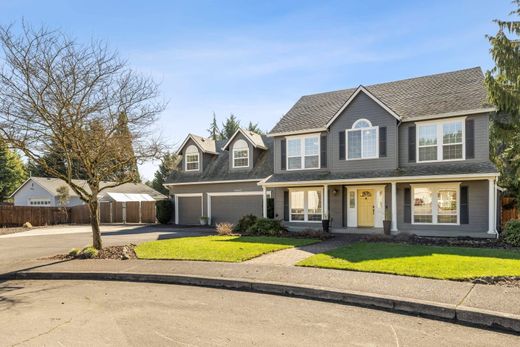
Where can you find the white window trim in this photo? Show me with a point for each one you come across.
(439, 124)
(186, 162)
(305, 205)
(435, 187)
(302, 151)
(238, 150)
(347, 131)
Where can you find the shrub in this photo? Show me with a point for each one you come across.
(74, 252)
(225, 229)
(88, 252)
(265, 226)
(164, 211)
(512, 232)
(245, 223)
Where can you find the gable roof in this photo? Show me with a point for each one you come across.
(52, 184)
(445, 94)
(255, 139)
(206, 145)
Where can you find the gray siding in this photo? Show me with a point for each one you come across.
(481, 142)
(32, 190)
(277, 156)
(251, 153)
(478, 211)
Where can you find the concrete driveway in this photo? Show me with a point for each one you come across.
(23, 250)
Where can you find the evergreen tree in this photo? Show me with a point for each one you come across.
(214, 131)
(503, 83)
(255, 128)
(125, 137)
(55, 157)
(168, 165)
(229, 127)
(12, 171)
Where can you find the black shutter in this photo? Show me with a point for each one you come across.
(283, 156)
(470, 138)
(411, 144)
(323, 149)
(286, 205)
(341, 145)
(464, 205)
(382, 142)
(407, 205)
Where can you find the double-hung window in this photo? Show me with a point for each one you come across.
(440, 140)
(303, 152)
(192, 158)
(306, 205)
(362, 140)
(436, 204)
(240, 154)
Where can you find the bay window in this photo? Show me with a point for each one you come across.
(436, 204)
(306, 205)
(362, 140)
(440, 140)
(303, 152)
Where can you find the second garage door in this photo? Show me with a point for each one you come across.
(231, 208)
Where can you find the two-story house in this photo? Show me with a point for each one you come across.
(413, 151)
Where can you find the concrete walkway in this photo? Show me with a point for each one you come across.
(462, 301)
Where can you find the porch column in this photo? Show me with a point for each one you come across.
(492, 210)
(325, 201)
(264, 199)
(394, 207)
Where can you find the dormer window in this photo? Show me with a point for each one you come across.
(192, 158)
(362, 140)
(240, 154)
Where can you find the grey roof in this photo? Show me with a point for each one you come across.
(218, 167)
(419, 170)
(412, 98)
(52, 185)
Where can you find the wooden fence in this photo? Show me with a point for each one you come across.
(508, 211)
(15, 216)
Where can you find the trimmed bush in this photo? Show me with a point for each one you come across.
(225, 229)
(88, 252)
(164, 211)
(512, 232)
(74, 252)
(245, 223)
(268, 227)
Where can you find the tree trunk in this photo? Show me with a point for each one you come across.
(94, 222)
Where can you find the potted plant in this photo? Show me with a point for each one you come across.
(325, 223)
(387, 223)
(203, 220)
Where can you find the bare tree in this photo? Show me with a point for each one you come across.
(56, 92)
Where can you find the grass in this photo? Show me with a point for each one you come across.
(421, 261)
(217, 248)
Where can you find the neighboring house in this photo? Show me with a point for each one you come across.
(42, 191)
(415, 151)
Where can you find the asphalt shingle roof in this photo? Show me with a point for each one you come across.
(412, 98)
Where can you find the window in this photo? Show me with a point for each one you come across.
(306, 205)
(440, 141)
(352, 199)
(192, 158)
(436, 204)
(39, 202)
(303, 152)
(362, 140)
(240, 154)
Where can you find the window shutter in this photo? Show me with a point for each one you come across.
(470, 138)
(464, 205)
(411, 144)
(407, 205)
(341, 145)
(286, 206)
(323, 150)
(382, 141)
(283, 156)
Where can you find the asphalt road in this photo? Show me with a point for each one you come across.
(22, 250)
(73, 313)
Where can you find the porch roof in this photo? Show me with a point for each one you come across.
(426, 170)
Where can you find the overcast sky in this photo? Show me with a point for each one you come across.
(255, 59)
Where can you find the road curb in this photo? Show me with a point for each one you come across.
(459, 314)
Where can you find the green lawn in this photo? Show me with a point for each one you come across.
(420, 261)
(217, 248)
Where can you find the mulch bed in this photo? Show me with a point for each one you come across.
(111, 252)
(14, 230)
(512, 282)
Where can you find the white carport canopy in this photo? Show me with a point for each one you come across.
(127, 197)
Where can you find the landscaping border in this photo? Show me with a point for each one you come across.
(454, 313)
